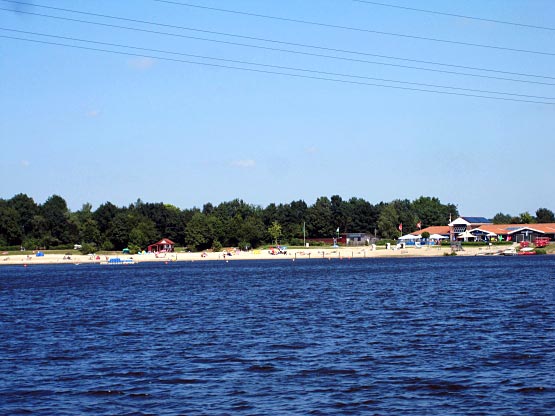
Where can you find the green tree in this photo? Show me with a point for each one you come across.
(340, 213)
(363, 215)
(430, 211)
(501, 218)
(388, 222)
(104, 215)
(118, 233)
(175, 226)
(144, 233)
(527, 218)
(544, 215)
(89, 232)
(251, 231)
(319, 221)
(10, 230)
(197, 232)
(56, 214)
(26, 209)
(217, 230)
(207, 208)
(406, 214)
(275, 231)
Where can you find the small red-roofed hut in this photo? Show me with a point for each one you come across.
(165, 245)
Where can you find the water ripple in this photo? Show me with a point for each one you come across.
(393, 336)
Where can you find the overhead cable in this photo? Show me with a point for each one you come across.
(335, 57)
(332, 26)
(262, 71)
(356, 29)
(462, 16)
(277, 66)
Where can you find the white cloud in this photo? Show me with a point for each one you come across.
(93, 113)
(311, 150)
(142, 63)
(244, 164)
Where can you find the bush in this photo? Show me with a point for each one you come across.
(31, 243)
(63, 247)
(133, 248)
(88, 248)
(217, 246)
(540, 251)
(107, 246)
(244, 245)
(10, 248)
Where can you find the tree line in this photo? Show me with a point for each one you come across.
(234, 223)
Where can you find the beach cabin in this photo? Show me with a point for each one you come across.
(165, 245)
(358, 239)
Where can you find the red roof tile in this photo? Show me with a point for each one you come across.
(436, 229)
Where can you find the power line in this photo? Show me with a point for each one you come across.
(276, 66)
(504, 22)
(267, 40)
(287, 43)
(307, 22)
(261, 71)
(356, 29)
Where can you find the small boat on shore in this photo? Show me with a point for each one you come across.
(118, 261)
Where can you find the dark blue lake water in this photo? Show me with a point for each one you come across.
(443, 336)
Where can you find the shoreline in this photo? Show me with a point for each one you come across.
(343, 253)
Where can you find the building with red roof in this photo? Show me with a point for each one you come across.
(165, 245)
(482, 228)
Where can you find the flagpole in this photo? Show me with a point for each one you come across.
(304, 233)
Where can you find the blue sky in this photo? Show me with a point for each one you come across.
(95, 127)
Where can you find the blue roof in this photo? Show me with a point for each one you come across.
(477, 220)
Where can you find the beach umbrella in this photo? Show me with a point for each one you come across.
(410, 237)
(466, 235)
(437, 237)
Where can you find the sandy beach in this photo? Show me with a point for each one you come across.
(292, 255)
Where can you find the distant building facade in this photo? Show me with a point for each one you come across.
(464, 224)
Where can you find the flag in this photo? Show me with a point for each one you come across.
(419, 225)
(401, 227)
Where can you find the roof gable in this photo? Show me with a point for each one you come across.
(459, 221)
(469, 221)
(164, 241)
